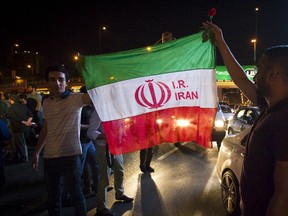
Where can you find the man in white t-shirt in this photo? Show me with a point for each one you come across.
(60, 139)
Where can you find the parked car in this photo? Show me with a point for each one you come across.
(220, 126)
(228, 167)
(227, 112)
(243, 118)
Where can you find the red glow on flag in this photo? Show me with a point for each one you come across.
(182, 124)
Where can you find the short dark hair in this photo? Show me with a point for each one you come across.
(23, 95)
(6, 95)
(33, 85)
(278, 51)
(56, 67)
(278, 54)
(14, 97)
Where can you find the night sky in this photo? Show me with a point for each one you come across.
(58, 29)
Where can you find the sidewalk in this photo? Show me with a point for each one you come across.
(25, 192)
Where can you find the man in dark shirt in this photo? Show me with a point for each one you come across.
(264, 178)
(20, 119)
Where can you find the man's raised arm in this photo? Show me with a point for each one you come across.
(234, 68)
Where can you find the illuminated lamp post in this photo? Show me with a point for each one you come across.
(13, 71)
(76, 57)
(256, 22)
(101, 28)
(32, 71)
(254, 41)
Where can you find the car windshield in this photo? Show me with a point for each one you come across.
(226, 109)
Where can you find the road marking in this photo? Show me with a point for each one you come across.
(170, 152)
(210, 182)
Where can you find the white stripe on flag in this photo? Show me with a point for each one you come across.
(152, 93)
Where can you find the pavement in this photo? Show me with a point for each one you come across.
(25, 192)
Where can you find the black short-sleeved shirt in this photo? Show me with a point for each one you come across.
(85, 118)
(268, 143)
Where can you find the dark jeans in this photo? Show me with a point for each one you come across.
(60, 171)
(146, 156)
(21, 151)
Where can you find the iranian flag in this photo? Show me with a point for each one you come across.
(160, 94)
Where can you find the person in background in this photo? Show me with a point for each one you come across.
(20, 118)
(60, 137)
(4, 105)
(88, 157)
(4, 136)
(96, 133)
(145, 160)
(31, 103)
(5, 98)
(264, 177)
(3, 109)
(33, 94)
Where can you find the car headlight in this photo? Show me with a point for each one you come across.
(219, 123)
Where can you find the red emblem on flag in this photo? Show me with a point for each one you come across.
(152, 94)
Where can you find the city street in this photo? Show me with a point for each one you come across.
(184, 183)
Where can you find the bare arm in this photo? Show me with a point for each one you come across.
(234, 69)
(278, 203)
(39, 147)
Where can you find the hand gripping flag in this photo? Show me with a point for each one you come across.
(149, 96)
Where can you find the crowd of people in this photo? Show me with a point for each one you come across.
(23, 116)
(20, 115)
(73, 165)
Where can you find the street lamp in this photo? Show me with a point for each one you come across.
(32, 71)
(76, 57)
(256, 22)
(101, 28)
(254, 41)
(14, 46)
(13, 72)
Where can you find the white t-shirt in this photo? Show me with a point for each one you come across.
(63, 131)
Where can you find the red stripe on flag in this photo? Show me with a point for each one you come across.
(147, 130)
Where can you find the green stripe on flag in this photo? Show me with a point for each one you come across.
(178, 55)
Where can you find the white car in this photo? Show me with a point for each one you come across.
(229, 166)
(220, 126)
(227, 112)
(243, 118)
